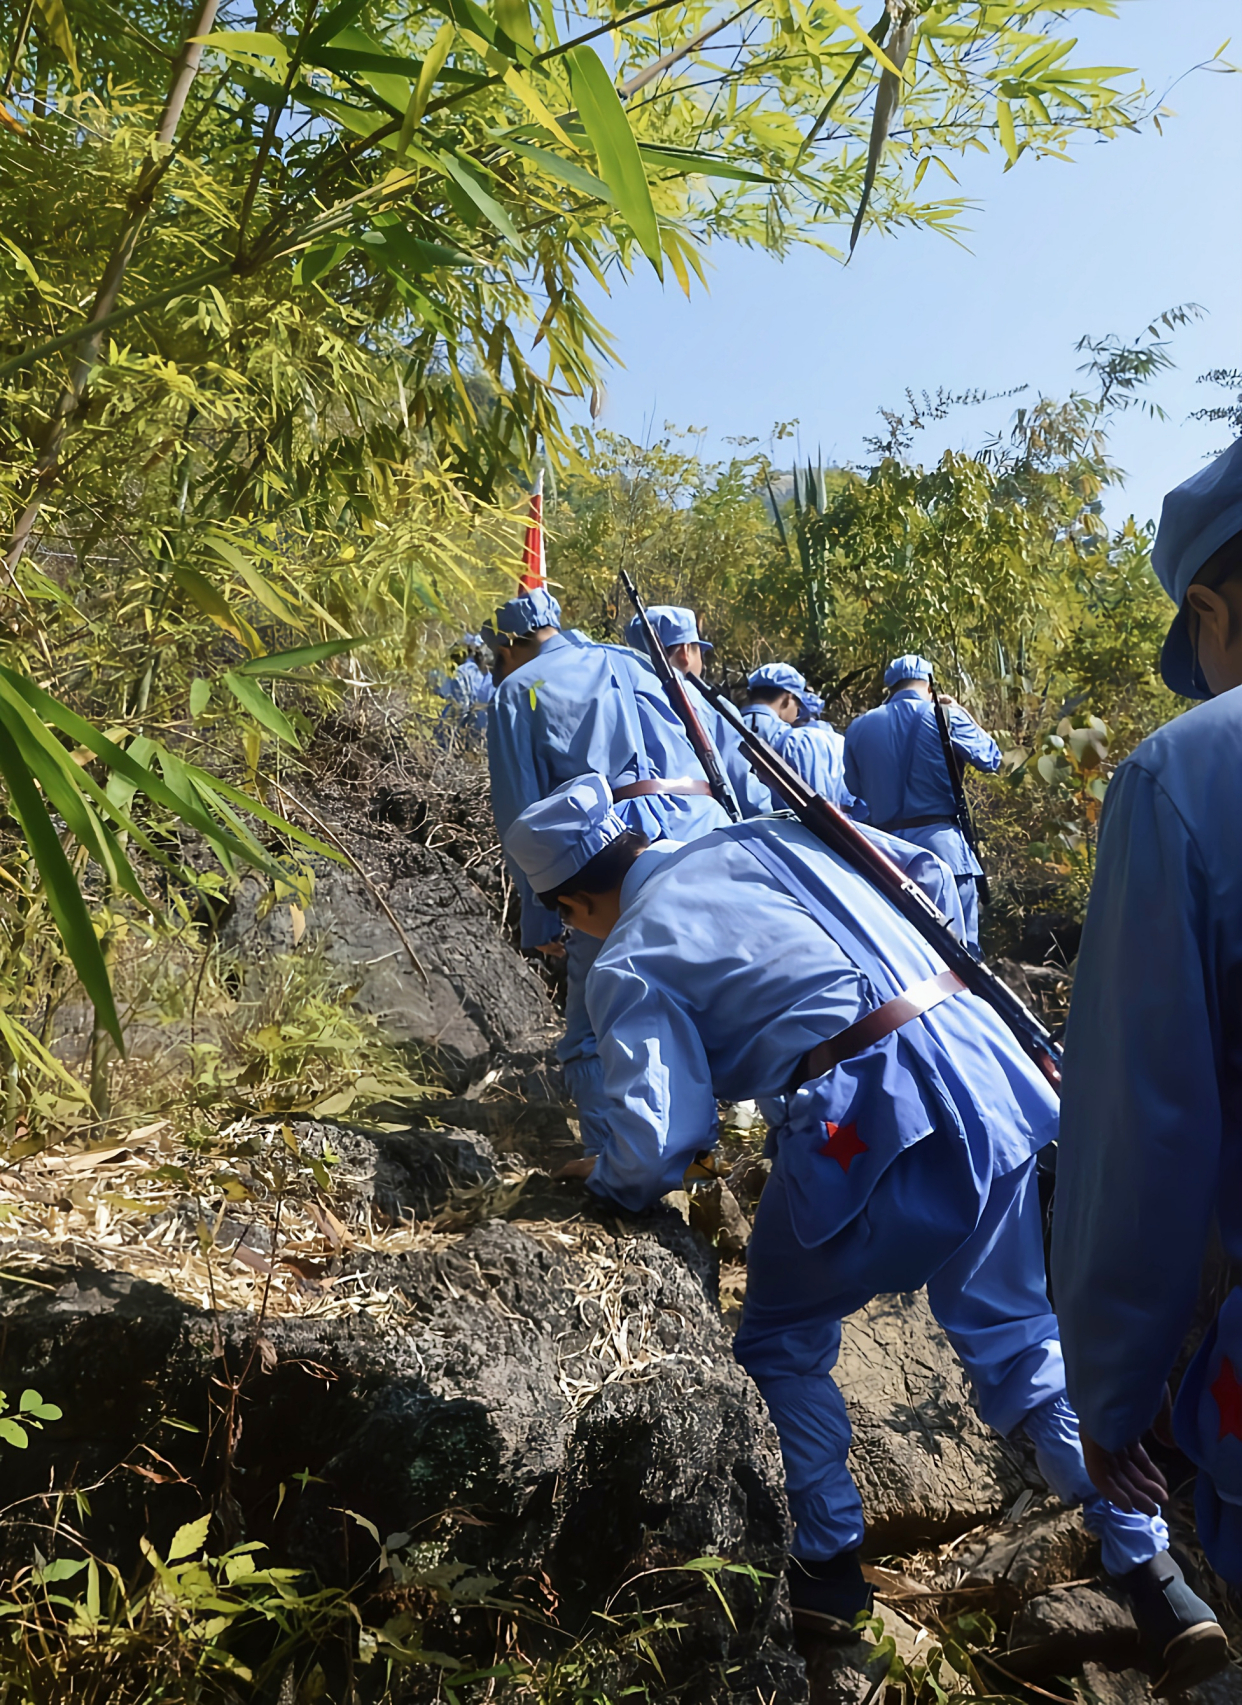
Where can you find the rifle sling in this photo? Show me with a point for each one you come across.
(877, 1024)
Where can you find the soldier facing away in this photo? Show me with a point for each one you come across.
(895, 759)
(778, 708)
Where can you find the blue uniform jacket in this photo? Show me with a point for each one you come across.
(580, 707)
(894, 760)
(470, 686)
(815, 750)
(715, 982)
(1152, 1119)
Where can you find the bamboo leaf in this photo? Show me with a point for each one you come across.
(64, 897)
(250, 48)
(452, 165)
(61, 780)
(84, 733)
(514, 19)
(690, 162)
(256, 701)
(281, 661)
(430, 69)
(391, 85)
(851, 22)
(577, 177)
(1004, 124)
(56, 22)
(620, 164)
(189, 1538)
(403, 253)
(25, 1046)
(526, 92)
(213, 603)
(271, 600)
(336, 18)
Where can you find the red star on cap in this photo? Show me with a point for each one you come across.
(844, 1145)
(1227, 1391)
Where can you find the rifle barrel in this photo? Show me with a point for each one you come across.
(961, 805)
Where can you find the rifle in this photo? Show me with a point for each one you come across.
(844, 837)
(679, 698)
(961, 805)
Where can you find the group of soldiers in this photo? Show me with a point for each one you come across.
(710, 960)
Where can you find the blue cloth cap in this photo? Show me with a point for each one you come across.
(911, 667)
(471, 640)
(556, 837)
(782, 675)
(813, 705)
(530, 610)
(674, 626)
(1197, 518)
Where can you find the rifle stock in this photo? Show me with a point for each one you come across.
(843, 836)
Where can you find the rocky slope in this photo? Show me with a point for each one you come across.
(507, 1418)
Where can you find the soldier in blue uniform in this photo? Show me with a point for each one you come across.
(565, 706)
(894, 758)
(756, 963)
(678, 631)
(777, 708)
(469, 689)
(1151, 1150)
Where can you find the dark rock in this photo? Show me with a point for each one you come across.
(1116, 1687)
(470, 993)
(1131, 1687)
(1061, 1630)
(539, 1132)
(1024, 1559)
(926, 1466)
(556, 1406)
(842, 1675)
(1225, 1688)
(1050, 938)
(409, 1173)
(747, 1181)
(716, 1216)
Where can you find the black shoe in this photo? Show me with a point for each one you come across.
(826, 1597)
(1183, 1643)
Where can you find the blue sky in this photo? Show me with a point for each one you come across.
(1134, 226)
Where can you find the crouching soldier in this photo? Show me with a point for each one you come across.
(755, 963)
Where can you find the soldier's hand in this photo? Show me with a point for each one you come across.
(1127, 1477)
(580, 1168)
(945, 698)
(552, 949)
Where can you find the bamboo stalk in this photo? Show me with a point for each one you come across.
(46, 472)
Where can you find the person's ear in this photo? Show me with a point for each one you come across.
(1213, 612)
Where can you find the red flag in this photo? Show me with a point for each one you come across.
(534, 570)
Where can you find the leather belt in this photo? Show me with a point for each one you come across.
(677, 784)
(877, 1024)
(900, 823)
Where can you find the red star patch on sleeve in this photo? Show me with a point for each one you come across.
(844, 1144)
(1227, 1391)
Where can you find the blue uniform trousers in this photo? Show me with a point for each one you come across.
(979, 1250)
